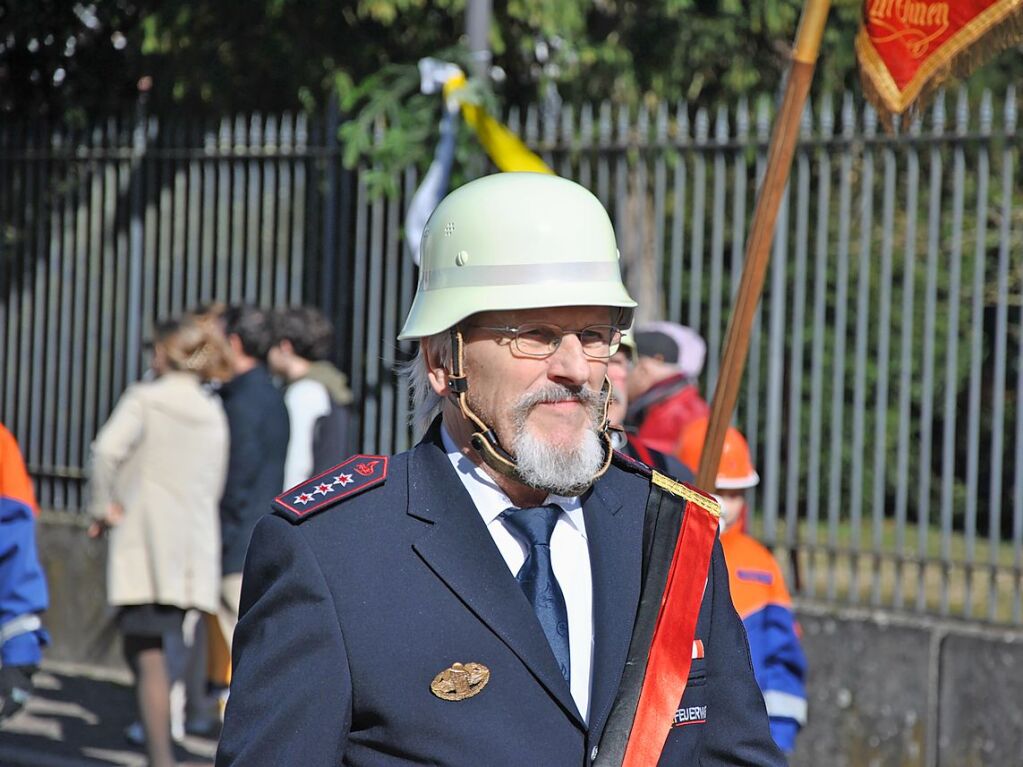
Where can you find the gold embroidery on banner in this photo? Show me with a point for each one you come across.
(897, 100)
(689, 495)
(924, 23)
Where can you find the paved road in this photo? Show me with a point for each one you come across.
(77, 719)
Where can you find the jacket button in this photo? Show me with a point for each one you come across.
(593, 754)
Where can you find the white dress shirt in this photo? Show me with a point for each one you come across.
(570, 557)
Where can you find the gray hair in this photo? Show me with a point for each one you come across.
(425, 401)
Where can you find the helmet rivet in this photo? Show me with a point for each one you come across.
(462, 258)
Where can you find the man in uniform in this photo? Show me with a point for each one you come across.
(471, 601)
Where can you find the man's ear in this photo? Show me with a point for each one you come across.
(285, 346)
(435, 371)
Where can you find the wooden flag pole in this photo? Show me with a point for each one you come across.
(758, 248)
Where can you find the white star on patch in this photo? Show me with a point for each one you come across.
(343, 479)
(323, 488)
(303, 498)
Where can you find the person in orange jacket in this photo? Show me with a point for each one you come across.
(23, 594)
(757, 585)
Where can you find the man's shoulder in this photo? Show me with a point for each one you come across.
(632, 470)
(356, 483)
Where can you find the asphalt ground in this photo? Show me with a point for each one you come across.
(77, 718)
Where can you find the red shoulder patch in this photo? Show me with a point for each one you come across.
(358, 473)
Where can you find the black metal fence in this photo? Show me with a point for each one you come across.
(883, 392)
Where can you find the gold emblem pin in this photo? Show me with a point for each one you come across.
(461, 681)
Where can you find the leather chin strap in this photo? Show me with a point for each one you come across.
(485, 442)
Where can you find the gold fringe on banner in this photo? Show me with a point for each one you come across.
(998, 27)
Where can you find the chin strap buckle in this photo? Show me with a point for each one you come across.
(458, 384)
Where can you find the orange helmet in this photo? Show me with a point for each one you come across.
(735, 471)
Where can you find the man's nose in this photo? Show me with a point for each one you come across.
(568, 364)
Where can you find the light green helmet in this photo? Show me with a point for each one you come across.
(515, 241)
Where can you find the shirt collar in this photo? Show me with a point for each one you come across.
(490, 500)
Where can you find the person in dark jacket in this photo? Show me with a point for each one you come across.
(258, 426)
(316, 392)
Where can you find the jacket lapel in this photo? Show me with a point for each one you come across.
(615, 535)
(459, 550)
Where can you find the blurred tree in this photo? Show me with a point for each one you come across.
(67, 58)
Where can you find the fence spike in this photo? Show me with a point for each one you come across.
(239, 134)
(721, 125)
(287, 132)
(763, 119)
(987, 113)
(938, 113)
(662, 122)
(514, 119)
(643, 125)
(256, 131)
(682, 121)
(827, 113)
(742, 121)
(550, 124)
(532, 125)
(623, 124)
(848, 118)
(271, 141)
(962, 112)
(870, 120)
(702, 125)
(605, 123)
(568, 126)
(586, 125)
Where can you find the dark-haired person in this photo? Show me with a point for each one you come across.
(258, 424)
(317, 394)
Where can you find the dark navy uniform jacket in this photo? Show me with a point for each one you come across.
(349, 614)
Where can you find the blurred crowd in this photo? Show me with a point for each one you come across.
(241, 403)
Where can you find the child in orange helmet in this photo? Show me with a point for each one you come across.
(757, 585)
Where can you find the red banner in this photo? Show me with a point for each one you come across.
(907, 48)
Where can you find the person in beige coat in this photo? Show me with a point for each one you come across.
(158, 472)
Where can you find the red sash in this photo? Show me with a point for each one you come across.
(670, 651)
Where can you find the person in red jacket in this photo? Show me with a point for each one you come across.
(663, 397)
(623, 439)
(757, 585)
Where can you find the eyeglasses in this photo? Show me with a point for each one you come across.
(542, 339)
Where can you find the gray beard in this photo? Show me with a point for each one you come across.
(554, 469)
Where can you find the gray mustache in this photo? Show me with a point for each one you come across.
(557, 393)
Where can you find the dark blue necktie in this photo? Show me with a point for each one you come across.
(536, 576)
